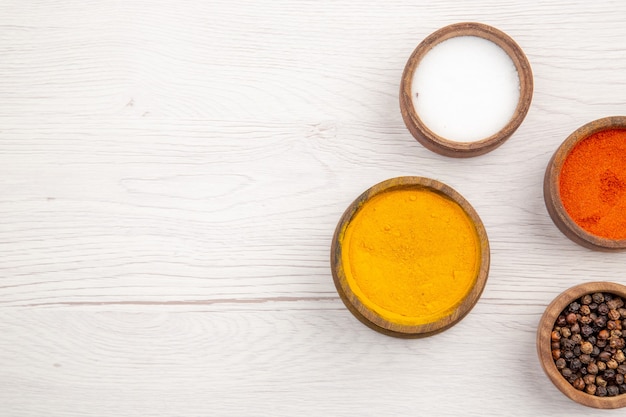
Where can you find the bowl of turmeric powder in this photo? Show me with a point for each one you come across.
(410, 257)
(585, 185)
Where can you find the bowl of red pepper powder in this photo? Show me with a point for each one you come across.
(585, 185)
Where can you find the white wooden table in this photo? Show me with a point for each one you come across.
(171, 174)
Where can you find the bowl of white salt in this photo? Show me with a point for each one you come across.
(465, 89)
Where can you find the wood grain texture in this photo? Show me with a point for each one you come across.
(171, 175)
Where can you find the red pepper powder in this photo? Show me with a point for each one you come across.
(592, 184)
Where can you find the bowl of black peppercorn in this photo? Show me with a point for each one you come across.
(581, 344)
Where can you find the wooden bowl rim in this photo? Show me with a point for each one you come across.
(371, 318)
(544, 350)
(447, 147)
(552, 193)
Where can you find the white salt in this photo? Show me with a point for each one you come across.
(465, 89)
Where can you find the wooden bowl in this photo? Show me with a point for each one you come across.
(439, 144)
(373, 319)
(544, 351)
(552, 194)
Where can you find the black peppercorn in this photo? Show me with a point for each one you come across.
(566, 372)
(579, 384)
(613, 342)
(590, 389)
(603, 309)
(560, 363)
(604, 356)
(601, 391)
(613, 315)
(586, 330)
(567, 344)
(586, 347)
(575, 364)
(585, 359)
(615, 303)
(573, 307)
(600, 321)
(622, 388)
(585, 310)
(589, 379)
(571, 318)
(612, 390)
(598, 298)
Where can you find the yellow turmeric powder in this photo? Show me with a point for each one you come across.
(410, 255)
